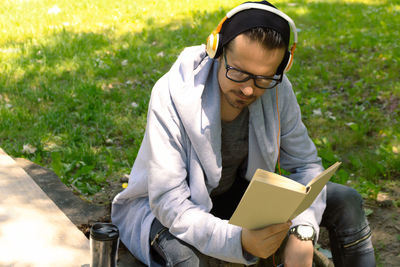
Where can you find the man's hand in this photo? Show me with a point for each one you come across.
(298, 253)
(263, 243)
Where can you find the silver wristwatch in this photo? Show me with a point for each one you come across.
(303, 232)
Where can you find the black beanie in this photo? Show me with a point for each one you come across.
(253, 18)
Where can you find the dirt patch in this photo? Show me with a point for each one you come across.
(385, 225)
(384, 219)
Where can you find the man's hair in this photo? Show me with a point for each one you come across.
(268, 38)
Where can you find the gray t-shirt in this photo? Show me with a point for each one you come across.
(234, 150)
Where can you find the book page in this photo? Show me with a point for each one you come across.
(315, 186)
(264, 204)
(278, 180)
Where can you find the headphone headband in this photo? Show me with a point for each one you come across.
(271, 9)
(214, 40)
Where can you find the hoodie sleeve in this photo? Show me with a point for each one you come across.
(169, 192)
(298, 154)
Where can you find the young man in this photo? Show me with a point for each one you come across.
(213, 119)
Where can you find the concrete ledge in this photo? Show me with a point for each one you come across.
(33, 230)
(77, 210)
(80, 212)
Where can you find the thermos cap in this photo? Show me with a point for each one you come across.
(104, 231)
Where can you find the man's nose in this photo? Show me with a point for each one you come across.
(248, 88)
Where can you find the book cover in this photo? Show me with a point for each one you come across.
(271, 198)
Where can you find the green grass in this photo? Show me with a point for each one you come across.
(76, 78)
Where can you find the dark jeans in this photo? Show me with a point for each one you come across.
(349, 233)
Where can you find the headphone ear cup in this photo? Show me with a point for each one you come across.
(212, 44)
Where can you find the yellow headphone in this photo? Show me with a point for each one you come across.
(214, 39)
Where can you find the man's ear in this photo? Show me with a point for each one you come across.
(285, 64)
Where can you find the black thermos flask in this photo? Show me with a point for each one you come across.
(104, 241)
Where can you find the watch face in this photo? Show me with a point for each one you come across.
(305, 231)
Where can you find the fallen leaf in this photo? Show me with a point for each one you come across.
(368, 211)
(28, 149)
(317, 112)
(54, 10)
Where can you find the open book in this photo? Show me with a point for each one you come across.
(271, 198)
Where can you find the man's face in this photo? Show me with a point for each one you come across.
(249, 56)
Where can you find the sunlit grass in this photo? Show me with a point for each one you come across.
(123, 16)
(366, 2)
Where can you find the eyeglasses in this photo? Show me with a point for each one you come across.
(240, 76)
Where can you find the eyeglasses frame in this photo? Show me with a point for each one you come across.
(250, 75)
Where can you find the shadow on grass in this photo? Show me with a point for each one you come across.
(80, 99)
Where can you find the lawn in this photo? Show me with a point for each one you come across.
(76, 77)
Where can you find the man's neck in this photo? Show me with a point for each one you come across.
(228, 113)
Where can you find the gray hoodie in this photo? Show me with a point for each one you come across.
(179, 161)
